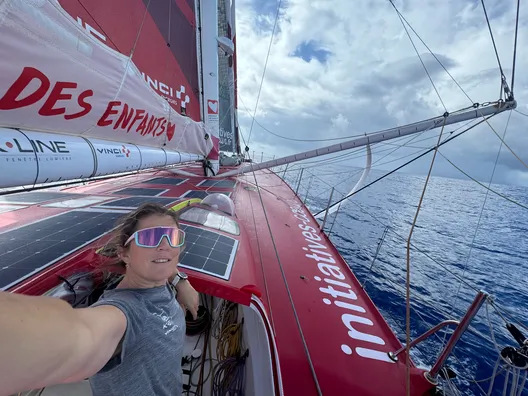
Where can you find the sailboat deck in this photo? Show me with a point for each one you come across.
(323, 327)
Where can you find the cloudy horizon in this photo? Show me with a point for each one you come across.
(336, 71)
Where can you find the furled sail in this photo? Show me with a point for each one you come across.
(116, 71)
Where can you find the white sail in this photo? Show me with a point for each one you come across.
(58, 78)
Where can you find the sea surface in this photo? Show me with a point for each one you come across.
(460, 246)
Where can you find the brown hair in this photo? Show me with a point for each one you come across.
(126, 226)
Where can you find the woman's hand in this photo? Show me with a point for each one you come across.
(188, 297)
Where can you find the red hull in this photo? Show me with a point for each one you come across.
(320, 318)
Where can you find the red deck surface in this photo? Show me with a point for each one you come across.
(308, 290)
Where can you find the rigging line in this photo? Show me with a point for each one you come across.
(483, 205)
(139, 31)
(100, 27)
(520, 112)
(480, 217)
(515, 45)
(294, 139)
(493, 40)
(388, 149)
(129, 58)
(404, 239)
(417, 53)
(372, 166)
(412, 160)
(432, 53)
(379, 159)
(490, 189)
(408, 269)
(262, 265)
(508, 147)
(507, 312)
(401, 146)
(265, 66)
(305, 345)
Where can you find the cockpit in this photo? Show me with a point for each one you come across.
(214, 211)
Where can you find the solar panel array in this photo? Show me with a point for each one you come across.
(34, 197)
(218, 183)
(172, 181)
(33, 247)
(208, 252)
(202, 194)
(135, 202)
(151, 192)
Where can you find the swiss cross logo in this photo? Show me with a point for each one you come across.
(212, 106)
(125, 151)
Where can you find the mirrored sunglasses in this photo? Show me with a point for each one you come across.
(152, 237)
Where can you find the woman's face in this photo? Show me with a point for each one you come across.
(145, 262)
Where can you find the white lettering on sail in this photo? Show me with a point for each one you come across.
(339, 293)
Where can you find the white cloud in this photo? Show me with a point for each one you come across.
(373, 80)
(340, 122)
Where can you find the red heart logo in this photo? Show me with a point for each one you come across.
(171, 128)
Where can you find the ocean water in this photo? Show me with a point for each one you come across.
(451, 259)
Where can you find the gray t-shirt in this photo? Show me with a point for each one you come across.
(150, 360)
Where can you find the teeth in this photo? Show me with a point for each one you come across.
(161, 261)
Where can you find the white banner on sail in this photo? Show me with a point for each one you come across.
(55, 77)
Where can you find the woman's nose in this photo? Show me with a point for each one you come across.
(164, 244)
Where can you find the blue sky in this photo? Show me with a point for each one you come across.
(340, 68)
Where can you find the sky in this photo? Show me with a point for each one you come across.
(340, 68)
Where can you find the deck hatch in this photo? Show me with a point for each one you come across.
(35, 197)
(208, 252)
(134, 202)
(33, 247)
(217, 183)
(150, 192)
(171, 181)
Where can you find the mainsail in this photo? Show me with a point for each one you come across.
(78, 82)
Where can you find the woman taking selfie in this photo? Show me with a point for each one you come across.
(130, 342)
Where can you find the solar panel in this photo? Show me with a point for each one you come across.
(150, 192)
(208, 252)
(34, 197)
(172, 181)
(76, 203)
(201, 194)
(135, 202)
(195, 194)
(217, 183)
(34, 247)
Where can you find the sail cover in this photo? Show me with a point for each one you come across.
(120, 70)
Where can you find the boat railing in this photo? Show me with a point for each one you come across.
(513, 359)
(461, 327)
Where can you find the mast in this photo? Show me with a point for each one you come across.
(235, 78)
(209, 56)
(381, 136)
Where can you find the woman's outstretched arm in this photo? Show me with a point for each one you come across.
(44, 341)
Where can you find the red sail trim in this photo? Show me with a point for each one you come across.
(187, 11)
(117, 24)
